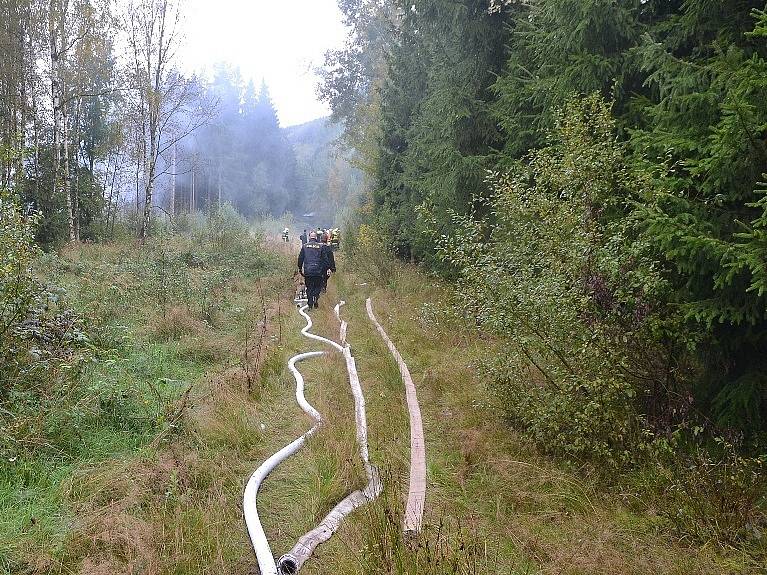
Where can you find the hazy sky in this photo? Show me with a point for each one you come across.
(272, 39)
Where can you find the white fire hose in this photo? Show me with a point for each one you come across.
(417, 489)
(264, 555)
(291, 562)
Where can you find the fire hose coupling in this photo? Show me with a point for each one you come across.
(287, 565)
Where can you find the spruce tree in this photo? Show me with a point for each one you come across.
(272, 175)
(437, 130)
(705, 128)
(559, 48)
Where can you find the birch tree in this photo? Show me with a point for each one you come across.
(71, 30)
(167, 106)
(14, 21)
(58, 11)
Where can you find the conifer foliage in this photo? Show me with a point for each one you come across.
(619, 244)
(243, 155)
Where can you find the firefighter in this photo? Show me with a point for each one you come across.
(304, 238)
(330, 262)
(286, 235)
(335, 238)
(313, 264)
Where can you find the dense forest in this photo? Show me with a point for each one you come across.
(591, 175)
(243, 157)
(326, 170)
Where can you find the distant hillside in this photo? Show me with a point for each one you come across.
(328, 178)
(319, 131)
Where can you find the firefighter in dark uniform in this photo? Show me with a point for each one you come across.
(330, 260)
(313, 264)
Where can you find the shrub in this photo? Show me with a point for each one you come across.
(55, 398)
(175, 323)
(43, 361)
(17, 285)
(371, 258)
(226, 238)
(561, 274)
(226, 231)
(716, 492)
(165, 274)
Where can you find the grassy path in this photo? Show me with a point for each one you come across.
(493, 504)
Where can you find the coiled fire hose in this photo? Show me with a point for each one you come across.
(291, 562)
(417, 487)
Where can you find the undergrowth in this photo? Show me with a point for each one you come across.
(177, 401)
(682, 507)
(104, 360)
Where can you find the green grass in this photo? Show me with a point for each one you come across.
(136, 497)
(124, 408)
(534, 514)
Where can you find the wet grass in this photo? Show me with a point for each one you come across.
(493, 503)
(173, 505)
(134, 484)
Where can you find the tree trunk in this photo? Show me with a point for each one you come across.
(106, 202)
(105, 185)
(173, 185)
(148, 189)
(36, 135)
(141, 161)
(76, 157)
(55, 95)
(67, 175)
(56, 39)
(22, 105)
(116, 203)
(208, 182)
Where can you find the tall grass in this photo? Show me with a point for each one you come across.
(108, 372)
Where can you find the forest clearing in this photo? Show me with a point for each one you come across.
(383, 286)
(181, 398)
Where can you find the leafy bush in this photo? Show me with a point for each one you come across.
(226, 231)
(562, 275)
(175, 323)
(716, 492)
(17, 286)
(371, 257)
(224, 237)
(60, 392)
(42, 362)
